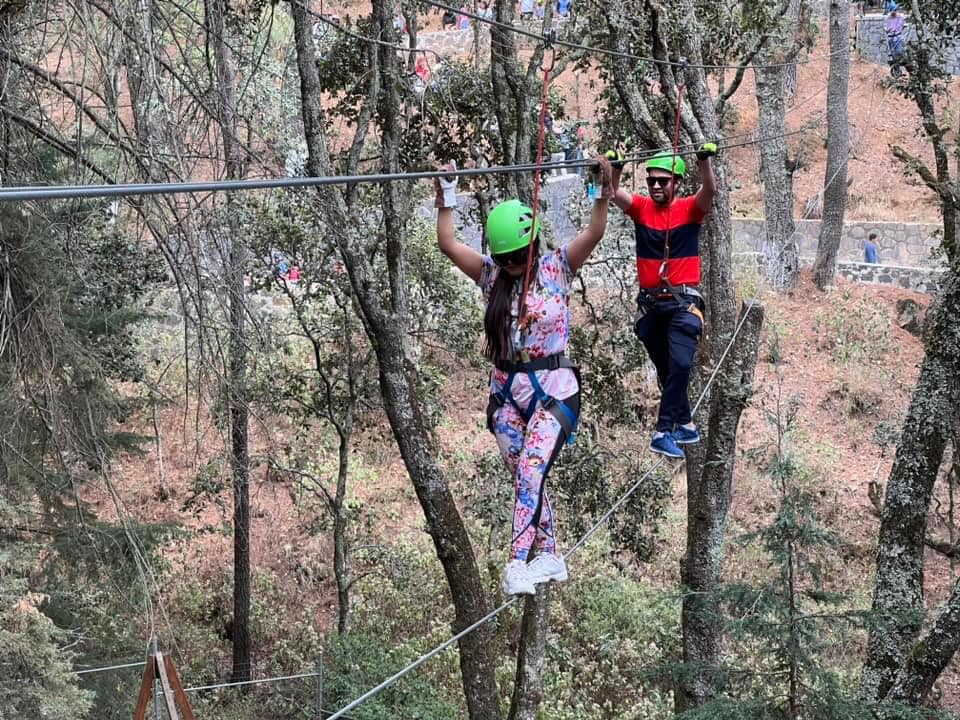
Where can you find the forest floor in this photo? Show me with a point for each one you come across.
(843, 361)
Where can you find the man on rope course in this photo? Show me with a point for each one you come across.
(534, 388)
(669, 316)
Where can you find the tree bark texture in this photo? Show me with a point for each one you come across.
(531, 656)
(386, 329)
(514, 103)
(931, 422)
(341, 564)
(708, 501)
(838, 146)
(780, 249)
(930, 654)
(237, 391)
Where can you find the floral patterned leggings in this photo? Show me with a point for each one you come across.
(529, 449)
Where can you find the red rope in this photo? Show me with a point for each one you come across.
(522, 310)
(673, 166)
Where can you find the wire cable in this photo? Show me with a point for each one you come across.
(109, 668)
(261, 681)
(63, 192)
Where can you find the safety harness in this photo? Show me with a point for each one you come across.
(564, 415)
(647, 298)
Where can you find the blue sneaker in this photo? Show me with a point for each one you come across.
(666, 446)
(685, 436)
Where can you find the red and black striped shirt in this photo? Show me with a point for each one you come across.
(651, 221)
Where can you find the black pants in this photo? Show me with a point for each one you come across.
(670, 333)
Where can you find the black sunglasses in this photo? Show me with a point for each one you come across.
(514, 257)
(659, 181)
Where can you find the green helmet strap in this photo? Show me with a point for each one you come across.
(510, 227)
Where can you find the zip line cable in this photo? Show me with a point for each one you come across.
(109, 668)
(63, 192)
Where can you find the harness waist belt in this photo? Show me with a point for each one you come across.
(671, 290)
(550, 362)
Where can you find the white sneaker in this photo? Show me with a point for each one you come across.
(516, 579)
(547, 567)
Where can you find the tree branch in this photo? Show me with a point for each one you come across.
(916, 165)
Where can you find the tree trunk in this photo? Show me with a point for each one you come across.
(341, 551)
(780, 249)
(386, 329)
(531, 656)
(513, 102)
(708, 500)
(930, 655)
(931, 421)
(838, 146)
(237, 377)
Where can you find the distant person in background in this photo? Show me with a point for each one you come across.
(486, 12)
(463, 22)
(563, 7)
(448, 20)
(421, 69)
(893, 26)
(526, 9)
(281, 266)
(871, 251)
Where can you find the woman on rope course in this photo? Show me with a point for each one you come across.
(534, 388)
(669, 316)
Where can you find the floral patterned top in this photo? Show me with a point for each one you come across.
(548, 307)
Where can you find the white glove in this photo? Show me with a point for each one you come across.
(446, 188)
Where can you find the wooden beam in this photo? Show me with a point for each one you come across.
(167, 690)
(149, 670)
(178, 692)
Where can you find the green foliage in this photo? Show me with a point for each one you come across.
(853, 330)
(607, 631)
(444, 307)
(74, 285)
(37, 679)
(784, 623)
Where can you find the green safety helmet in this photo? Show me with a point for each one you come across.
(669, 162)
(509, 227)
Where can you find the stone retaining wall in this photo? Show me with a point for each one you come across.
(906, 244)
(454, 43)
(924, 280)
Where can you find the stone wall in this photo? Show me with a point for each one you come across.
(461, 43)
(454, 43)
(906, 244)
(924, 280)
(872, 42)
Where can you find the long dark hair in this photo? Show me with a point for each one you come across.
(497, 319)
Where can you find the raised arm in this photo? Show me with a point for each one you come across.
(579, 249)
(468, 260)
(621, 198)
(708, 183)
